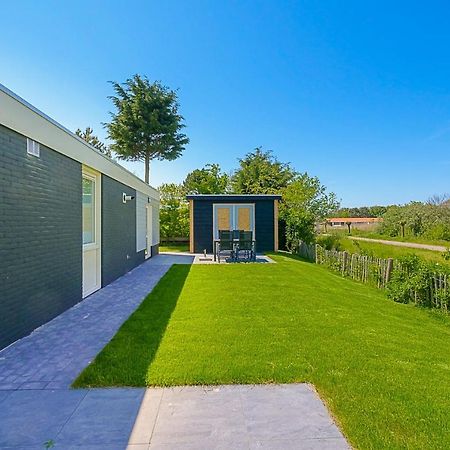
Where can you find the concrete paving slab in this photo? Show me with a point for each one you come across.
(105, 416)
(30, 418)
(238, 417)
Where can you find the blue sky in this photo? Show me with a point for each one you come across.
(357, 93)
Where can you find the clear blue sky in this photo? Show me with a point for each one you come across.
(355, 92)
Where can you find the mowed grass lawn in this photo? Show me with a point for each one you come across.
(383, 368)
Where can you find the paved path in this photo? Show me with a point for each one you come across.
(235, 417)
(38, 406)
(436, 248)
(53, 355)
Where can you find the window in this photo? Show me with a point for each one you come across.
(33, 147)
(88, 210)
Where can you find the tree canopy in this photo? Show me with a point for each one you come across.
(304, 202)
(147, 124)
(174, 211)
(89, 136)
(260, 172)
(208, 180)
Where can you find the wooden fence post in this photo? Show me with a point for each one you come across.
(390, 264)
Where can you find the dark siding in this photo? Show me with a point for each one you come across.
(40, 236)
(118, 231)
(203, 223)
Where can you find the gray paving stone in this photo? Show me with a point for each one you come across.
(58, 351)
(33, 417)
(305, 444)
(104, 416)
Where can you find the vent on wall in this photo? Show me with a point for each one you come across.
(33, 148)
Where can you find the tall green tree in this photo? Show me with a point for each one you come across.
(260, 172)
(89, 136)
(208, 180)
(305, 202)
(147, 124)
(174, 211)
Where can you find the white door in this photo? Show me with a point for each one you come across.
(149, 237)
(91, 231)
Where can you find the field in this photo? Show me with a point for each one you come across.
(390, 251)
(381, 367)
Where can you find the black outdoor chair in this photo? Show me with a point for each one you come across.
(246, 245)
(225, 244)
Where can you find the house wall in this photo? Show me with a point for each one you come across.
(203, 223)
(118, 231)
(40, 236)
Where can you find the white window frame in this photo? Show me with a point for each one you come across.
(234, 216)
(33, 148)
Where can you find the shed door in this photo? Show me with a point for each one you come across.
(233, 217)
(91, 199)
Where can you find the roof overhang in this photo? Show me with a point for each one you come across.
(18, 115)
(233, 197)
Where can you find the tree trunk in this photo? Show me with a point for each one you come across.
(147, 168)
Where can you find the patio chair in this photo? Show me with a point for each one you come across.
(246, 245)
(225, 244)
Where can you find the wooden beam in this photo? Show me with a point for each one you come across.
(275, 224)
(191, 226)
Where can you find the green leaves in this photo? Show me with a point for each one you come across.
(209, 180)
(260, 172)
(146, 124)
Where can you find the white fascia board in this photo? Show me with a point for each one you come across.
(20, 116)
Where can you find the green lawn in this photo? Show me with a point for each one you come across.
(390, 251)
(174, 247)
(383, 368)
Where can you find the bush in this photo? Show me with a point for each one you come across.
(329, 242)
(414, 281)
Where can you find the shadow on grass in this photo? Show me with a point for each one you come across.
(126, 359)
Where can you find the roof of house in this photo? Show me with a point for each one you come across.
(22, 117)
(355, 219)
(233, 197)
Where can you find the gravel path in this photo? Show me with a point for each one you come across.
(436, 248)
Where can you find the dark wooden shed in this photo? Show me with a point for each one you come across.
(211, 213)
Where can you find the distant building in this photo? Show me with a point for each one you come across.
(360, 223)
(354, 221)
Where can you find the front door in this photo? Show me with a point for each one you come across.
(91, 200)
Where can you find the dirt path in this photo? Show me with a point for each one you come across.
(436, 248)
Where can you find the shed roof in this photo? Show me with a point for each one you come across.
(233, 197)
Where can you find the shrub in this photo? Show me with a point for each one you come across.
(414, 280)
(329, 242)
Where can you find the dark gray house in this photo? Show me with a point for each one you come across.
(211, 213)
(71, 219)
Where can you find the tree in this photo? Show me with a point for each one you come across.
(174, 211)
(305, 201)
(261, 173)
(89, 136)
(439, 200)
(209, 180)
(146, 124)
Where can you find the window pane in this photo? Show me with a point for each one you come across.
(223, 218)
(244, 218)
(88, 211)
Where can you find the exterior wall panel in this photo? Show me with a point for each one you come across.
(40, 236)
(118, 231)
